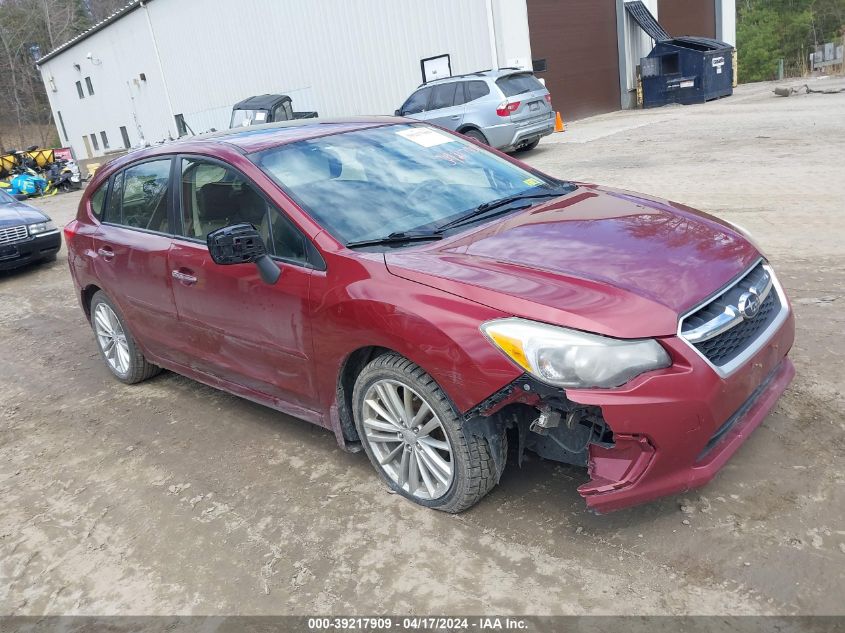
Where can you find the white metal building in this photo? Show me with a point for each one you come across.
(127, 80)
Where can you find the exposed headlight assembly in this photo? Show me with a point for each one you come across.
(41, 227)
(569, 358)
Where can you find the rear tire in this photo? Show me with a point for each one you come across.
(476, 135)
(408, 457)
(117, 347)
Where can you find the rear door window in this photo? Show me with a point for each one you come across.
(460, 93)
(417, 102)
(443, 96)
(139, 196)
(518, 83)
(476, 90)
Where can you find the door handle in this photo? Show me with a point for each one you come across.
(185, 278)
(105, 253)
(455, 117)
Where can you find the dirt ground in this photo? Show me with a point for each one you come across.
(172, 498)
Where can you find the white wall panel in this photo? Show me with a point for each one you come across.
(339, 58)
(726, 21)
(513, 42)
(120, 54)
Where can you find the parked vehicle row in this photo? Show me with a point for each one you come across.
(508, 109)
(429, 299)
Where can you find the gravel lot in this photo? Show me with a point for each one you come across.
(172, 498)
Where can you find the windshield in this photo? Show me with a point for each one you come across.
(5, 198)
(244, 118)
(371, 183)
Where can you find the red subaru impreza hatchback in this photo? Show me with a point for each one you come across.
(425, 298)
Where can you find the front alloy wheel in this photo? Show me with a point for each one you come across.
(407, 439)
(416, 440)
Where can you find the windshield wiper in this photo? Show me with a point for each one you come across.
(400, 237)
(482, 209)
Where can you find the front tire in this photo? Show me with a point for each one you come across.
(117, 347)
(415, 439)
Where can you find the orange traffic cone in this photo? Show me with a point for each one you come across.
(559, 126)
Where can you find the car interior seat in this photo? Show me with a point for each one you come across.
(214, 206)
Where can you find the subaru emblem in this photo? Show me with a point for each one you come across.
(749, 305)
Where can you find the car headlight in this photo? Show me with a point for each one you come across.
(569, 358)
(41, 227)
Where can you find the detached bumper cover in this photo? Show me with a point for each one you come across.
(675, 429)
(29, 250)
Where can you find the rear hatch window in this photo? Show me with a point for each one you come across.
(518, 83)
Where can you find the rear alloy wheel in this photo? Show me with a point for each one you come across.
(415, 440)
(117, 347)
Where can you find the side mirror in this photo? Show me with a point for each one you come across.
(397, 113)
(21, 197)
(242, 244)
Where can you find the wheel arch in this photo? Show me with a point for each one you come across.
(86, 296)
(350, 368)
(470, 126)
(449, 358)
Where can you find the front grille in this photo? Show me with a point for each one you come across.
(11, 234)
(725, 345)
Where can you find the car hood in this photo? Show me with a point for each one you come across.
(597, 259)
(15, 213)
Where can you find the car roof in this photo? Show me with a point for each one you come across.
(479, 74)
(260, 102)
(256, 138)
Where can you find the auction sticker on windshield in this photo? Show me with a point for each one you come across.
(425, 136)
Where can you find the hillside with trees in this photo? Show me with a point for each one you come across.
(770, 30)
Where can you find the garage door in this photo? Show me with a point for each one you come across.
(687, 17)
(577, 38)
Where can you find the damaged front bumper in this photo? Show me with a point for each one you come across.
(675, 429)
(665, 432)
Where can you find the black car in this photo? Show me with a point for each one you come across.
(26, 234)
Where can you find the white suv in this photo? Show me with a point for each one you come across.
(508, 109)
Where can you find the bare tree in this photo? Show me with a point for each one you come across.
(29, 28)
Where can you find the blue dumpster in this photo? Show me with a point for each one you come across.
(687, 70)
(684, 69)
